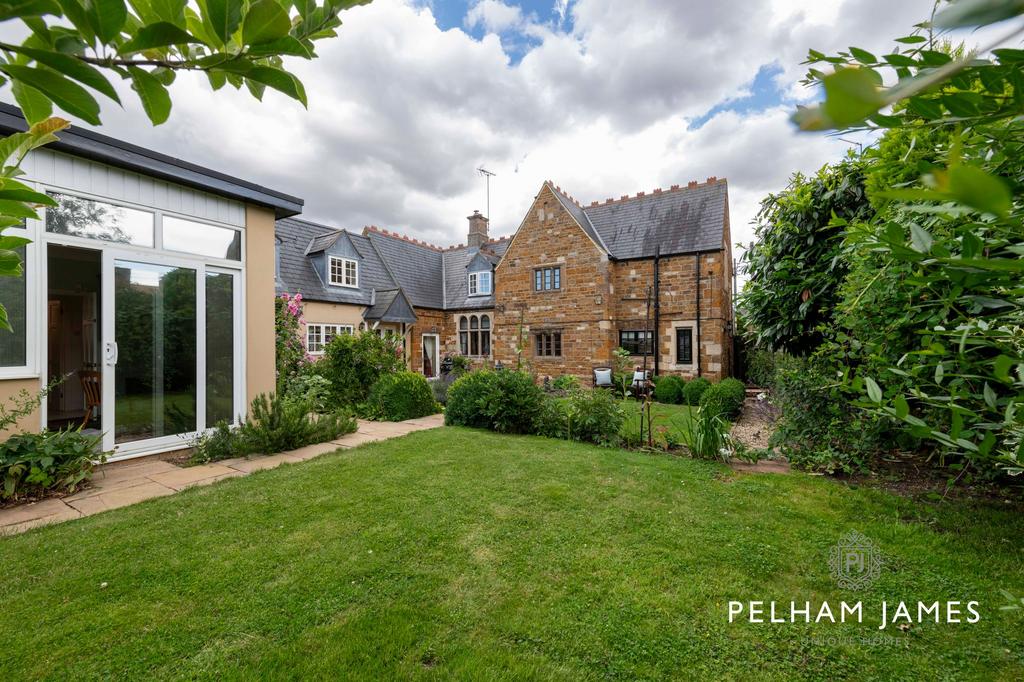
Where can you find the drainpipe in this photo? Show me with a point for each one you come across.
(696, 342)
(656, 345)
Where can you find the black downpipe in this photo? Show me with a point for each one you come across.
(697, 340)
(656, 345)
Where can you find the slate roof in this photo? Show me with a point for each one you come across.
(297, 272)
(456, 281)
(390, 306)
(415, 267)
(680, 220)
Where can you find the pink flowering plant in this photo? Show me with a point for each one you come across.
(289, 325)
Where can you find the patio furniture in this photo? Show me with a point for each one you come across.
(91, 382)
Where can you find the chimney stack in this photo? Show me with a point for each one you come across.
(477, 230)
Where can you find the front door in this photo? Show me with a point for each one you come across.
(431, 343)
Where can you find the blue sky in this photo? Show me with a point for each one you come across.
(453, 13)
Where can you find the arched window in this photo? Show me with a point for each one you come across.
(475, 335)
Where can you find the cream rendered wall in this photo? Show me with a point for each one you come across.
(259, 302)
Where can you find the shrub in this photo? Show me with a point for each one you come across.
(819, 428)
(566, 383)
(669, 389)
(506, 401)
(400, 396)
(553, 418)
(290, 354)
(36, 463)
(594, 416)
(513, 402)
(465, 400)
(761, 366)
(693, 390)
(274, 424)
(353, 362)
(724, 398)
(311, 388)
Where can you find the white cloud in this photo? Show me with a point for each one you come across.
(402, 113)
(494, 15)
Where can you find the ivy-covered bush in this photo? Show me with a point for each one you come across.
(33, 464)
(400, 396)
(353, 362)
(694, 389)
(669, 389)
(724, 398)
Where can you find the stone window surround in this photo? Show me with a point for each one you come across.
(480, 330)
(534, 333)
(560, 265)
(681, 324)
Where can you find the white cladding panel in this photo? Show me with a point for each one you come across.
(82, 175)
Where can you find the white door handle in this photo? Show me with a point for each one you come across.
(111, 354)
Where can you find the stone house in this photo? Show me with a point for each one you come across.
(651, 273)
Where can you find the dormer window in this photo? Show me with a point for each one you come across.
(480, 283)
(344, 272)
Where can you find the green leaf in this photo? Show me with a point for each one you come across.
(155, 99)
(851, 95)
(920, 239)
(26, 195)
(72, 68)
(978, 13)
(990, 396)
(279, 80)
(265, 21)
(912, 40)
(16, 209)
(223, 16)
(863, 56)
(160, 34)
(76, 12)
(902, 408)
(1003, 364)
(287, 45)
(63, 92)
(107, 17)
(28, 8)
(976, 188)
(874, 391)
(34, 105)
(172, 11)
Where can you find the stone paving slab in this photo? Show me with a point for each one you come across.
(179, 479)
(120, 484)
(248, 466)
(122, 497)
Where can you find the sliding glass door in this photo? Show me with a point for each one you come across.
(171, 350)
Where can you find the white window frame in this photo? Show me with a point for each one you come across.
(476, 281)
(33, 279)
(38, 288)
(322, 328)
(343, 264)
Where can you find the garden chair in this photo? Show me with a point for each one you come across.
(603, 377)
(91, 389)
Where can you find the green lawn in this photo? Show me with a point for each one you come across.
(456, 553)
(669, 417)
